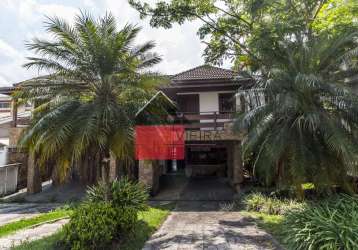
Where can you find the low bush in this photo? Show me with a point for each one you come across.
(270, 205)
(92, 226)
(122, 193)
(331, 224)
(108, 215)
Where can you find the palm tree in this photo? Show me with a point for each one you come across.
(306, 130)
(85, 109)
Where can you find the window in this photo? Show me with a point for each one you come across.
(4, 105)
(189, 103)
(227, 102)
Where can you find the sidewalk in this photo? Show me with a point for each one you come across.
(10, 212)
(31, 234)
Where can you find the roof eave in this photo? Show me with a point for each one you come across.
(152, 99)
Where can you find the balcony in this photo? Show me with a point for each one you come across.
(211, 120)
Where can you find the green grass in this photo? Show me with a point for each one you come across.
(271, 223)
(47, 243)
(24, 223)
(149, 221)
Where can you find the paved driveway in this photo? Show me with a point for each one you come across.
(201, 220)
(196, 225)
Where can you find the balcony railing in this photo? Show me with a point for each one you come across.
(22, 118)
(204, 120)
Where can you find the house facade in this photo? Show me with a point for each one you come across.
(206, 102)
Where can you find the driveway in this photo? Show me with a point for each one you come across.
(201, 220)
(196, 225)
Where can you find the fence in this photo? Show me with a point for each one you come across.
(8, 178)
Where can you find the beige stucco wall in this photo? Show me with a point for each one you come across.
(14, 135)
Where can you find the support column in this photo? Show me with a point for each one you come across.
(237, 166)
(230, 161)
(34, 183)
(14, 112)
(149, 173)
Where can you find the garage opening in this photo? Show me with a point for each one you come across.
(204, 161)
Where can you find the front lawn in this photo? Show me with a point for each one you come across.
(149, 221)
(25, 223)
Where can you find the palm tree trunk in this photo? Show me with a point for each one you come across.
(105, 164)
(280, 173)
(105, 170)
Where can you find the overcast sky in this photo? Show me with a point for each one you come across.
(22, 20)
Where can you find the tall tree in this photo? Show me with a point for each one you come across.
(85, 109)
(247, 31)
(307, 130)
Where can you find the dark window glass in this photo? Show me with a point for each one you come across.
(189, 103)
(227, 102)
(4, 105)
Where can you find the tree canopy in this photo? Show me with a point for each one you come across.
(247, 31)
(85, 108)
(307, 131)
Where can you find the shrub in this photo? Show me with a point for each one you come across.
(94, 226)
(270, 205)
(329, 225)
(121, 193)
(108, 215)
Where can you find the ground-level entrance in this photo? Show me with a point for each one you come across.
(201, 160)
(209, 161)
(177, 187)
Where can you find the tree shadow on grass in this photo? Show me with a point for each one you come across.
(144, 228)
(136, 240)
(53, 242)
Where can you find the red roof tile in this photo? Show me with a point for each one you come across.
(204, 72)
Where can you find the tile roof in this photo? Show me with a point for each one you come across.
(204, 72)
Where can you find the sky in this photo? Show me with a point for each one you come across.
(23, 20)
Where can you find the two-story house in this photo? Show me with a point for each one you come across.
(206, 105)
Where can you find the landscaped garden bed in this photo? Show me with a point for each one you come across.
(148, 222)
(12, 227)
(330, 223)
(113, 215)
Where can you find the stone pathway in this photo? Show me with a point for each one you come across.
(198, 226)
(31, 234)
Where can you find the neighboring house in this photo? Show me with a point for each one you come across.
(5, 104)
(7, 116)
